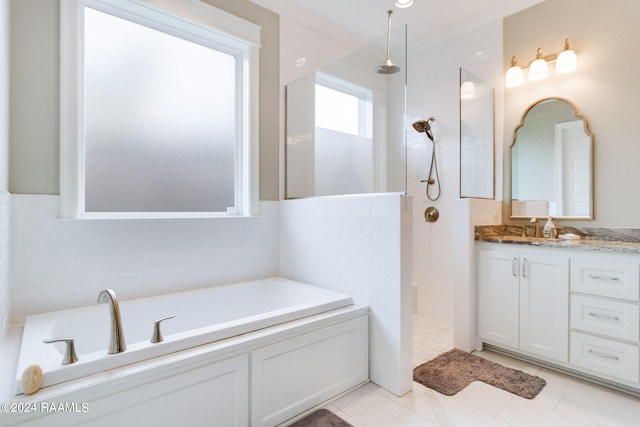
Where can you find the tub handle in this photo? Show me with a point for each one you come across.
(157, 334)
(70, 352)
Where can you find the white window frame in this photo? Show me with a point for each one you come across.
(363, 95)
(193, 20)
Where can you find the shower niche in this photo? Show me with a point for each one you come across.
(345, 125)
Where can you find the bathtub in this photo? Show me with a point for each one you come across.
(201, 317)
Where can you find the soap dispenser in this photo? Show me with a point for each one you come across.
(547, 231)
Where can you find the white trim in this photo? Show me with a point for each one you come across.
(311, 21)
(71, 108)
(195, 21)
(198, 12)
(489, 15)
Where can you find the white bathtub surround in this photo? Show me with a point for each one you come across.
(201, 317)
(467, 214)
(59, 264)
(5, 291)
(361, 246)
(245, 380)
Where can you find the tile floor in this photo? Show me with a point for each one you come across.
(565, 401)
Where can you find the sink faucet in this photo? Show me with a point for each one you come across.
(536, 232)
(116, 339)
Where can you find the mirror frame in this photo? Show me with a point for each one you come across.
(587, 131)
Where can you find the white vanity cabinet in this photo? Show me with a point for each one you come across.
(605, 319)
(577, 309)
(523, 299)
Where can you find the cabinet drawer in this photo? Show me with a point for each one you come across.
(604, 356)
(612, 318)
(610, 279)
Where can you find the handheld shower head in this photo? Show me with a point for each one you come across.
(424, 126)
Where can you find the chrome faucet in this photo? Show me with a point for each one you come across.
(116, 339)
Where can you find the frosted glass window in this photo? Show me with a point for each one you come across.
(161, 120)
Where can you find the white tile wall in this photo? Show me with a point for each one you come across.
(467, 214)
(58, 264)
(5, 293)
(432, 91)
(354, 245)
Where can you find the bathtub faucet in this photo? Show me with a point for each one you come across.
(116, 339)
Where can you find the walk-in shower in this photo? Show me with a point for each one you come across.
(346, 124)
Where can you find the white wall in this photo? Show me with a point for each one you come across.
(4, 166)
(433, 90)
(359, 245)
(59, 264)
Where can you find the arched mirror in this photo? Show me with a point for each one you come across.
(552, 163)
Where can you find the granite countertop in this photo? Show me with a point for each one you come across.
(601, 239)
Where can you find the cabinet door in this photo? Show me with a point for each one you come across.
(498, 297)
(544, 305)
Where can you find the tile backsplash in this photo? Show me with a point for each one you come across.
(60, 264)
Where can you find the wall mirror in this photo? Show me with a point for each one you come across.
(552, 163)
(345, 125)
(476, 137)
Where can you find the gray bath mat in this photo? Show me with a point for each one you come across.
(321, 418)
(452, 371)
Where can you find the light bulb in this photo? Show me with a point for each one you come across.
(514, 75)
(403, 3)
(538, 69)
(467, 90)
(567, 60)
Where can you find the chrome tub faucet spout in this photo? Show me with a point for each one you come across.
(116, 338)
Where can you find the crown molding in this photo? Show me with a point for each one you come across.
(311, 21)
(490, 15)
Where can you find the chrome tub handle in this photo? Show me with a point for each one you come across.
(157, 334)
(70, 351)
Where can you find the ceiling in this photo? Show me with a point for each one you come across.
(367, 19)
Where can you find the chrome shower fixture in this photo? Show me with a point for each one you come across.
(424, 126)
(388, 67)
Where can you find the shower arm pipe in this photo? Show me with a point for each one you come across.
(389, 12)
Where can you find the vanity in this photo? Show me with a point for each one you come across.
(572, 305)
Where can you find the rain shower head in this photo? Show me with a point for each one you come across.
(388, 67)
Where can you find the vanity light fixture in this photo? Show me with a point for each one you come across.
(403, 3)
(565, 62)
(514, 76)
(538, 69)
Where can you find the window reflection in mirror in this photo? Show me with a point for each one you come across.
(476, 137)
(551, 163)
